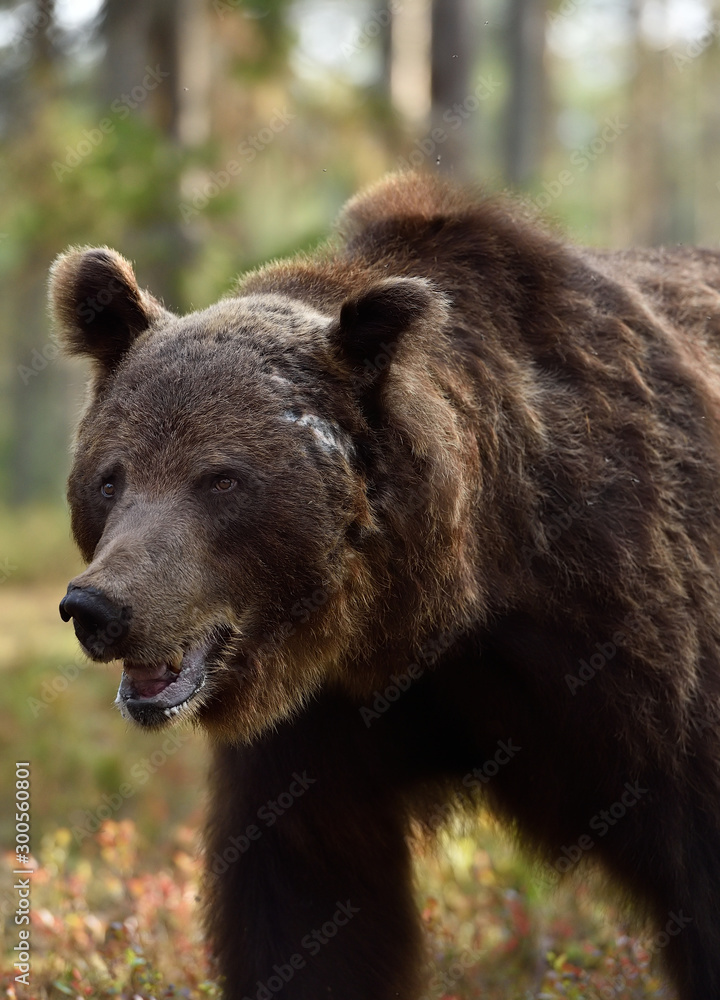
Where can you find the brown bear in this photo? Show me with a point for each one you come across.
(426, 519)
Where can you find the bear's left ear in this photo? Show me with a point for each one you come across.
(371, 325)
(97, 306)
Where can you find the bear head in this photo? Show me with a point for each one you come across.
(221, 492)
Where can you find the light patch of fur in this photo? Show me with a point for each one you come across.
(328, 435)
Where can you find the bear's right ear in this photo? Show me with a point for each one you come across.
(97, 305)
(372, 324)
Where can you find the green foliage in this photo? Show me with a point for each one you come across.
(271, 36)
(495, 933)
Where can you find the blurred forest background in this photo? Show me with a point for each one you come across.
(199, 138)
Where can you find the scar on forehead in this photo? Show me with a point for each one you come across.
(328, 435)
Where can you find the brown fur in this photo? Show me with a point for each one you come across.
(459, 442)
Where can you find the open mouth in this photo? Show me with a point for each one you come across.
(152, 694)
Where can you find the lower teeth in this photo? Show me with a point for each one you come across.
(177, 709)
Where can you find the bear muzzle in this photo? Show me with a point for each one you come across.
(153, 691)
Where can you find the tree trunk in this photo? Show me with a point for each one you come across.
(410, 65)
(454, 105)
(525, 127)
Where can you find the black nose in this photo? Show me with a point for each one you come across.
(98, 621)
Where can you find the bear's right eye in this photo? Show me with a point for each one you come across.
(108, 490)
(223, 484)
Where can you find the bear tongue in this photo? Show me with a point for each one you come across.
(149, 679)
(165, 685)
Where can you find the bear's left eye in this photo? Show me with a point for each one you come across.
(223, 484)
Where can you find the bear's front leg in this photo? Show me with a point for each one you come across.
(309, 871)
